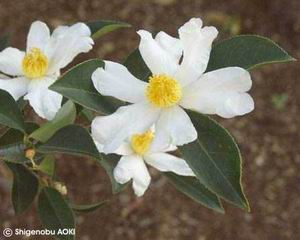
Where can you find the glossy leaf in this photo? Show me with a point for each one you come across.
(76, 84)
(72, 139)
(136, 65)
(102, 27)
(88, 114)
(13, 153)
(191, 187)
(75, 140)
(215, 159)
(25, 187)
(47, 165)
(86, 208)
(55, 213)
(12, 136)
(22, 103)
(246, 51)
(10, 114)
(12, 144)
(4, 42)
(65, 116)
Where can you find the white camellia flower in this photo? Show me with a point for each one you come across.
(178, 81)
(33, 71)
(137, 151)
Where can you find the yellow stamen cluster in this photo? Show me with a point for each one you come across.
(35, 64)
(141, 143)
(163, 91)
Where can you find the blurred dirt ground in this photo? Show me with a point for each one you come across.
(268, 137)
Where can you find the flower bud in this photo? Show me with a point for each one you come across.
(60, 187)
(30, 153)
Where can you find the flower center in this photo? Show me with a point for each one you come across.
(163, 91)
(35, 64)
(140, 143)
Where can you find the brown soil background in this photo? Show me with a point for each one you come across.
(268, 137)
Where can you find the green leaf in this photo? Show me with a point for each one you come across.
(87, 114)
(4, 42)
(22, 103)
(246, 51)
(72, 139)
(75, 140)
(215, 159)
(55, 213)
(65, 116)
(25, 187)
(191, 187)
(76, 84)
(13, 153)
(136, 65)
(47, 165)
(102, 27)
(12, 144)
(12, 136)
(86, 208)
(10, 114)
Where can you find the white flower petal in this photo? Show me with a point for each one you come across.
(133, 167)
(165, 162)
(173, 127)
(156, 58)
(45, 102)
(17, 87)
(170, 148)
(116, 81)
(220, 92)
(11, 61)
(113, 129)
(237, 105)
(2, 76)
(66, 43)
(172, 45)
(98, 145)
(197, 43)
(124, 149)
(59, 31)
(38, 36)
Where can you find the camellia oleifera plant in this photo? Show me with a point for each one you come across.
(149, 111)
